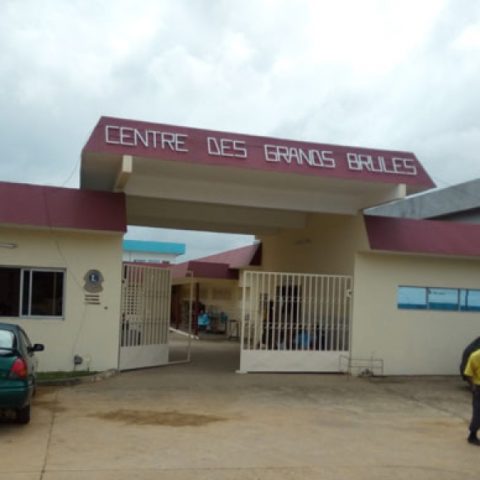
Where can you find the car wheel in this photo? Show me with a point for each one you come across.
(23, 415)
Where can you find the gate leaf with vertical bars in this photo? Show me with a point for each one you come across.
(294, 322)
(145, 316)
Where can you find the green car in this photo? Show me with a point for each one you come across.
(18, 367)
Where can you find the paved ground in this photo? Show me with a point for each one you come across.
(202, 421)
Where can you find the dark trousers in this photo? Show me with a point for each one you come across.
(475, 422)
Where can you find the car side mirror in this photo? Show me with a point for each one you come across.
(37, 347)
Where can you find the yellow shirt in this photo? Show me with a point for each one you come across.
(472, 369)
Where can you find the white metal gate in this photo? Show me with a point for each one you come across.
(294, 322)
(145, 320)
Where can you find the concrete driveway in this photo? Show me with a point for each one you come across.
(202, 421)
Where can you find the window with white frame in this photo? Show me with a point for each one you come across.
(31, 292)
(438, 298)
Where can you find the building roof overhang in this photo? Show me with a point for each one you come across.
(223, 265)
(181, 177)
(61, 208)
(427, 237)
(147, 246)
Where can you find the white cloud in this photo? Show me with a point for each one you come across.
(378, 73)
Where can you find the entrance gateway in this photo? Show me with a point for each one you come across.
(295, 315)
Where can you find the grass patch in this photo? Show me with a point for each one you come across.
(60, 374)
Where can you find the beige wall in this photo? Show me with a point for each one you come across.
(326, 246)
(411, 342)
(91, 331)
(223, 295)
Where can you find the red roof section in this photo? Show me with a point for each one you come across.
(423, 236)
(55, 207)
(237, 258)
(118, 136)
(221, 265)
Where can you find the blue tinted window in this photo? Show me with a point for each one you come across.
(412, 297)
(470, 300)
(433, 298)
(442, 298)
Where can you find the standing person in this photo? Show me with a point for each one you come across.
(472, 372)
(203, 320)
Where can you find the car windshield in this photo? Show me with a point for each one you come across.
(7, 340)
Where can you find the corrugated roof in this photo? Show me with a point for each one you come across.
(441, 202)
